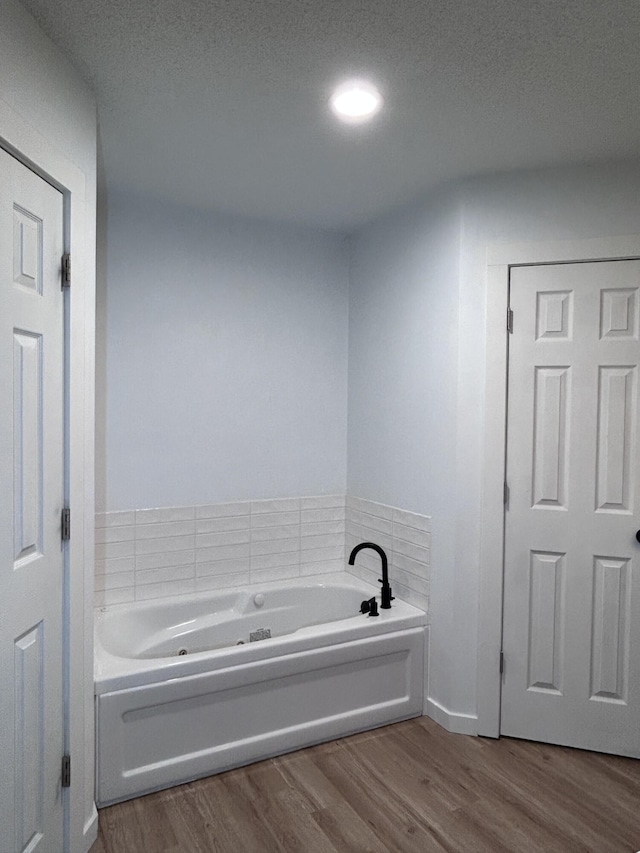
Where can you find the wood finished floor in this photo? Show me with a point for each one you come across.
(407, 788)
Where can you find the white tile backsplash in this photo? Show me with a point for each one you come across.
(165, 514)
(166, 589)
(110, 550)
(408, 565)
(115, 564)
(221, 525)
(164, 551)
(272, 561)
(412, 519)
(106, 597)
(274, 519)
(223, 567)
(327, 540)
(320, 568)
(222, 510)
(406, 539)
(164, 558)
(277, 505)
(276, 573)
(384, 540)
(115, 519)
(323, 502)
(106, 535)
(319, 555)
(224, 581)
(165, 574)
(366, 519)
(165, 543)
(331, 514)
(222, 552)
(370, 507)
(274, 546)
(320, 528)
(416, 552)
(409, 595)
(168, 528)
(217, 540)
(412, 534)
(286, 531)
(117, 580)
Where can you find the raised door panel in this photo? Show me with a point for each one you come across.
(550, 437)
(29, 767)
(616, 431)
(27, 250)
(554, 315)
(27, 446)
(619, 313)
(546, 621)
(610, 616)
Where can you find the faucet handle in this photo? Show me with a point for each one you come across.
(370, 606)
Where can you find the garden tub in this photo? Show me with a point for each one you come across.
(193, 685)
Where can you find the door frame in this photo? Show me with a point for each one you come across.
(500, 259)
(26, 144)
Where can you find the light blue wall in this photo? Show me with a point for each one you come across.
(403, 364)
(227, 362)
(417, 367)
(226, 348)
(403, 335)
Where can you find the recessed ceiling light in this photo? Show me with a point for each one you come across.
(356, 101)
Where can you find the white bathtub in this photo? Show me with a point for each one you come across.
(326, 671)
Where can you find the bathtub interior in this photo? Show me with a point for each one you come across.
(202, 623)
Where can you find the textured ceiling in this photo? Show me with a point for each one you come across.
(223, 103)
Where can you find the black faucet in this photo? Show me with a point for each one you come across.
(385, 595)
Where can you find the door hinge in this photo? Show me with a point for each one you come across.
(66, 771)
(66, 270)
(65, 524)
(501, 661)
(509, 320)
(505, 494)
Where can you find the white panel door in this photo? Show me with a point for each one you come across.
(31, 500)
(571, 627)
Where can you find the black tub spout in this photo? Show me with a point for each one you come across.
(385, 594)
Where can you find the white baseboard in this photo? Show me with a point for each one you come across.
(90, 832)
(462, 724)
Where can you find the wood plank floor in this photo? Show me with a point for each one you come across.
(407, 788)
